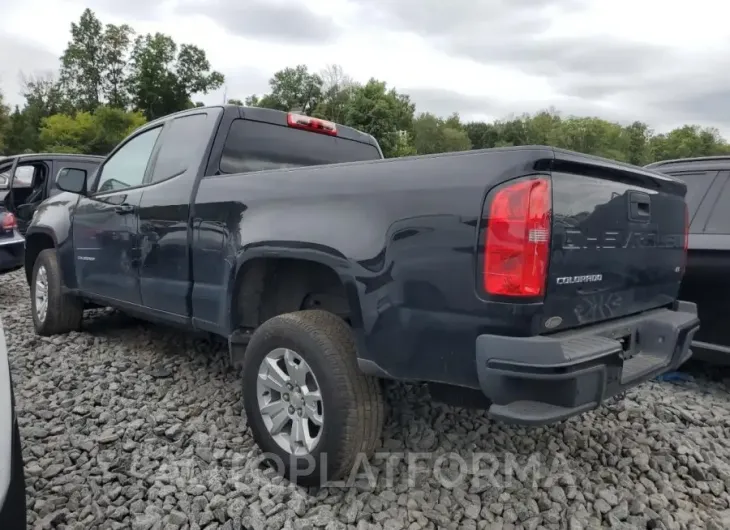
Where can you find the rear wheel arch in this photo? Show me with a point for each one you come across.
(265, 287)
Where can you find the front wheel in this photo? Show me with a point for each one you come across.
(53, 311)
(311, 411)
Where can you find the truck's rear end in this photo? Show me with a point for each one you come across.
(598, 249)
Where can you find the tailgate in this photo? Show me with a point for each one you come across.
(618, 245)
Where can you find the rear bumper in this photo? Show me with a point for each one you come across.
(12, 253)
(542, 380)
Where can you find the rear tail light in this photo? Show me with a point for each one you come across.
(9, 222)
(517, 241)
(300, 121)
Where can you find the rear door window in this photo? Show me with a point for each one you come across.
(256, 146)
(181, 143)
(698, 182)
(719, 219)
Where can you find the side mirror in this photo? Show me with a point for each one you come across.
(25, 211)
(72, 180)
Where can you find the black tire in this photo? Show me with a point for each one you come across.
(65, 311)
(352, 401)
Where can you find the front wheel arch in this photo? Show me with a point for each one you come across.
(35, 243)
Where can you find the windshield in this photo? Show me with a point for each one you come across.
(256, 146)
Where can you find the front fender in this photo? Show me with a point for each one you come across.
(51, 224)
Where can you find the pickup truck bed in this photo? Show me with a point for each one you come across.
(544, 279)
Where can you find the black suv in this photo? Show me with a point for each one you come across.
(707, 278)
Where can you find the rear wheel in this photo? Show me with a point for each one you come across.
(311, 410)
(53, 311)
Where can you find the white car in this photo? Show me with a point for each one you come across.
(12, 477)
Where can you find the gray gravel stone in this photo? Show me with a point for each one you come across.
(131, 425)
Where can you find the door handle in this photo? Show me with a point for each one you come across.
(124, 208)
(639, 206)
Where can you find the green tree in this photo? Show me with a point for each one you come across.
(87, 132)
(482, 135)
(93, 66)
(112, 126)
(542, 128)
(253, 101)
(383, 113)
(338, 90)
(115, 49)
(592, 136)
(512, 132)
(82, 63)
(163, 79)
(291, 89)
(4, 123)
(235, 102)
(403, 145)
(20, 135)
(637, 140)
(687, 141)
(44, 97)
(63, 133)
(435, 135)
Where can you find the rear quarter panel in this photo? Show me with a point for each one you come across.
(400, 233)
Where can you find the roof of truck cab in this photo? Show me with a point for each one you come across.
(718, 162)
(276, 117)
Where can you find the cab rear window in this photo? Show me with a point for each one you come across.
(257, 146)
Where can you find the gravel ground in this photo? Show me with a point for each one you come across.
(134, 426)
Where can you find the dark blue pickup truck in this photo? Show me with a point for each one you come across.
(544, 280)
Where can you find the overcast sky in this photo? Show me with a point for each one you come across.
(661, 61)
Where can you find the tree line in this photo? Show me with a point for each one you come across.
(111, 81)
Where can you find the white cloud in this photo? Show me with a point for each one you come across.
(650, 60)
